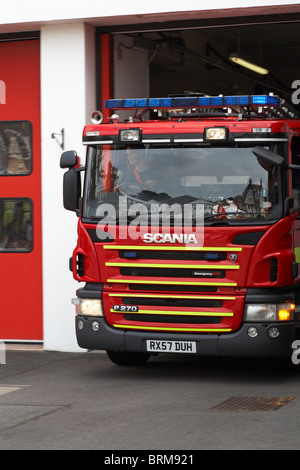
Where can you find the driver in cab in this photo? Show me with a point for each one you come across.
(137, 170)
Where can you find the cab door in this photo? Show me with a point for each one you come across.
(20, 192)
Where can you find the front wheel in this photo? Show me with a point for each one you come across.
(128, 358)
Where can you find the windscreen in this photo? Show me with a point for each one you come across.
(229, 183)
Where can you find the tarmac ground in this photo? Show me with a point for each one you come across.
(82, 401)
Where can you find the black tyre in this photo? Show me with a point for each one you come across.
(128, 358)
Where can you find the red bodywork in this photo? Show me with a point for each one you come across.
(222, 298)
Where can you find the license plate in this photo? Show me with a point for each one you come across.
(171, 346)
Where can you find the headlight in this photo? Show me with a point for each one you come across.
(270, 312)
(88, 307)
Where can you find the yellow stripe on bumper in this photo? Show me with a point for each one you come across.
(167, 296)
(171, 266)
(154, 328)
(176, 312)
(173, 283)
(170, 248)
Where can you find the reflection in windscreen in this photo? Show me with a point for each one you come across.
(229, 182)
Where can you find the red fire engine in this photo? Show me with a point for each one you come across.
(189, 228)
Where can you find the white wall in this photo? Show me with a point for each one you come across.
(67, 98)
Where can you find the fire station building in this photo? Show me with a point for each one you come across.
(59, 62)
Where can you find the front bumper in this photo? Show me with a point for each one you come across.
(236, 344)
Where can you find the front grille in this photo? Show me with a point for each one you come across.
(173, 288)
(170, 288)
(173, 255)
(178, 268)
(153, 272)
(173, 312)
(172, 319)
(173, 302)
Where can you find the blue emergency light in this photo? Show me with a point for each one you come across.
(192, 102)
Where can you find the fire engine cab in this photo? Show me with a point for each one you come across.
(188, 228)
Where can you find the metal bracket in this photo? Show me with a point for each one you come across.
(62, 135)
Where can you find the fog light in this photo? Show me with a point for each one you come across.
(95, 326)
(273, 332)
(80, 325)
(252, 332)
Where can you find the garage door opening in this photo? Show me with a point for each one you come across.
(161, 62)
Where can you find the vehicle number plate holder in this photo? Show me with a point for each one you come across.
(154, 345)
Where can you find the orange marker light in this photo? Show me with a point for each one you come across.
(286, 314)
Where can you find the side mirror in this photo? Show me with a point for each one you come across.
(68, 159)
(267, 156)
(71, 190)
(71, 181)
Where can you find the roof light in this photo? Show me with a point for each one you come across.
(237, 100)
(141, 103)
(129, 103)
(92, 133)
(215, 133)
(261, 129)
(204, 101)
(185, 102)
(114, 104)
(192, 102)
(130, 135)
(216, 101)
(264, 100)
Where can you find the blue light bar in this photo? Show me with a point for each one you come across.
(237, 100)
(265, 100)
(203, 102)
(141, 103)
(193, 102)
(185, 102)
(114, 104)
(216, 101)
